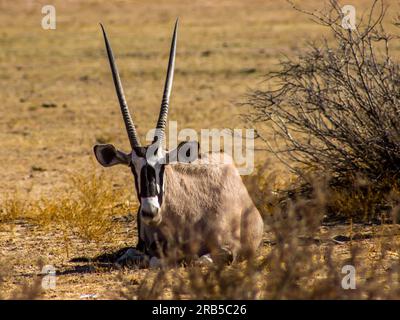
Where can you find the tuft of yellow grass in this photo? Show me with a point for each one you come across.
(13, 207)
(85, 208)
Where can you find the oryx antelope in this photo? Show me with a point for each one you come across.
(196, 203)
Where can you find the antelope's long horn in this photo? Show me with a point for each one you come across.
(162, 118)
(130, 127)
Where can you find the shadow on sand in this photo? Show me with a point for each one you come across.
(102, 262)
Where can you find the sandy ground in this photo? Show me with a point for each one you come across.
(57, 101)
(79, 274)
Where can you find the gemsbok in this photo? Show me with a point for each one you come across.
(191, 204)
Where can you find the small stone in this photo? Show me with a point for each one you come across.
(49, 105)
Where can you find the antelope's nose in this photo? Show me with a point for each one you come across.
(149, 207)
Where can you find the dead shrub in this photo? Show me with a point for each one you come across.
(334, 109)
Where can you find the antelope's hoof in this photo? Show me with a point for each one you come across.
(205, 260)
(155, 263)
(223, 256)
(133, 258)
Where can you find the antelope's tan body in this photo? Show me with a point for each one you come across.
(206, 207)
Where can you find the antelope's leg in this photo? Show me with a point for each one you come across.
(133, 257)
(141, 246)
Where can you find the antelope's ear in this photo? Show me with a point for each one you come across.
(187, 151)
(107, 155)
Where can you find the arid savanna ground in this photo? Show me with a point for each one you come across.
(58, 100)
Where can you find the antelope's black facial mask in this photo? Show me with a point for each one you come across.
(148, 168)
(148, 185)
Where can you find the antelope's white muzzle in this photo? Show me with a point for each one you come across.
(149, 210)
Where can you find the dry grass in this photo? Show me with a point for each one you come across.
(13, 207)
(87, 208)
(299, 260)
